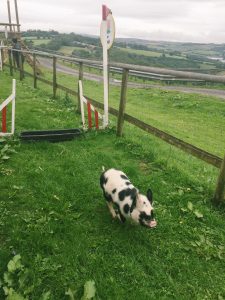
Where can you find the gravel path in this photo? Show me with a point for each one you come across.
(204, 91)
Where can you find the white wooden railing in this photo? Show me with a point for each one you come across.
(3, 109)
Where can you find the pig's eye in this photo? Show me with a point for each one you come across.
(144, 202)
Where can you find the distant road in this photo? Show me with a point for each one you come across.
(191, 90)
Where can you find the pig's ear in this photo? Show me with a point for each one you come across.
(150, 195)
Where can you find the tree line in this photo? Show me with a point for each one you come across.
(90, 48)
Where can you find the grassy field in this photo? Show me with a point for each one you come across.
(41, 41)
(38, 42)
(57, 238)
(185, 116)
(142, 52)
(68, 50)
(203, 66)
(150, 53)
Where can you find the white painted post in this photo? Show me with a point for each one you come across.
(81, 103)
(11, 98)
(6, 32)
(105, 79)
(1, 58)
(13, 106)
(107, 35)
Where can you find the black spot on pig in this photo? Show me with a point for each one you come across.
(144, 216)
(107, 196)
(124, 177)
(117, 210)
(103, 180)
(127, 183)
(116, 207)
(113, 191)
(122, 195)
(128, 192)
(126, 208)
(133, 205)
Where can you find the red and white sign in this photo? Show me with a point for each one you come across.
(107, 30)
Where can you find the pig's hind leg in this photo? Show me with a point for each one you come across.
(109, 201)
(111, 209)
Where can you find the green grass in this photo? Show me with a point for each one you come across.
(207, 66)
(194, 118)
(67, 50)
(197, 119)
(149, 53)
(41, 41)
(30, 38)
(142, 52)
(53, 213)
(206, 52)
(38, 42)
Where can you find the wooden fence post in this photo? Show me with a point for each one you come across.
(2, 58)
(81, 75)
(220, 188)
(21, 66)
(54, 77)
(34, 71)
(123, 98)
(10, 62)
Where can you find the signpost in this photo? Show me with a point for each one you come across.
(107, 36)
(1, 56)
(6, 32)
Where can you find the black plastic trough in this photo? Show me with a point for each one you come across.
(50, 135)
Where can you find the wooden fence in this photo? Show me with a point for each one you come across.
(121, 114)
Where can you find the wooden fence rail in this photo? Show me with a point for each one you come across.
(195, 151)
(191, 149)
(162, 71)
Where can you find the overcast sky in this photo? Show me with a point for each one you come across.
(167, 20)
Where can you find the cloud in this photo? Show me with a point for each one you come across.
(177, 20)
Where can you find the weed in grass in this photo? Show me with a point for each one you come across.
(6, 151)
(15, 280)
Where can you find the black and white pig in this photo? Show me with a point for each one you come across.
(125, 201)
